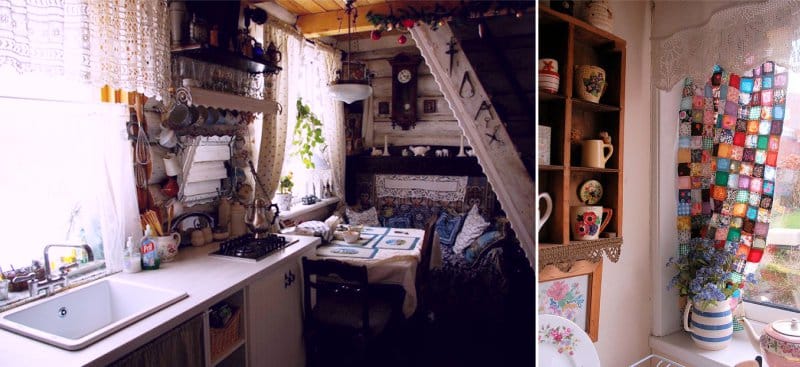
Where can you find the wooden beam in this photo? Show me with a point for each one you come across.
(333, 23)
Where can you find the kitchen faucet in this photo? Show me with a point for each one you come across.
(50, 282)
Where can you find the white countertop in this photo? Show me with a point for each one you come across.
(206, 279)
(680, 347)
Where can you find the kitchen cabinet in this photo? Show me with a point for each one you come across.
(227, 345)
(571, 119)
(181, 346)
(275, 316)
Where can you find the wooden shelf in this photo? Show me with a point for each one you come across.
(591, 106)
(228, 352)
(549, 167)
(210, 98)
(224, 57)
(592, 169)
(547, 97)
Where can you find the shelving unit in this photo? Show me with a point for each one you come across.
(234, 352)
(574, 42)
(224, 57)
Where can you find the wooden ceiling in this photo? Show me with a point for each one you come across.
(317, 18)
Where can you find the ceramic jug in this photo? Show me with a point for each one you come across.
(593, 153)
(586, 222)
(167, 246)
(547, 211)
(598, 13)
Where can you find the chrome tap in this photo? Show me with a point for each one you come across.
(50, 282)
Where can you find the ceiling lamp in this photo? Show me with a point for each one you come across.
(352, 81)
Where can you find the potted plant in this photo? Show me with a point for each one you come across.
(284, 195)
(307, 134)
(708, 280)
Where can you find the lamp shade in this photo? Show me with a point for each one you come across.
(349, 92)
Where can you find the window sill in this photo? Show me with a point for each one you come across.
(680, 347)
(300, 209)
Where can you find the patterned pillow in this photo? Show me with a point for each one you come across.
(368, 217)
(479, 245)
(447, 226)
(474, 225)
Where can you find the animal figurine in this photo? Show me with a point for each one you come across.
(606, 137)
(445, 152)
(376, 152)
(470, 152)
(419, 151)
(438, 152)
(406, 152)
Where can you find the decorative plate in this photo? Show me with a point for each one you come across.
(590, 192)
(563, 343)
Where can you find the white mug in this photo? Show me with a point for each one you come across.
(586, 221)
(592, 153)
(547, 211)
(167, 246)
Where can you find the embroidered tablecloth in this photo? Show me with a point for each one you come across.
(390, 254)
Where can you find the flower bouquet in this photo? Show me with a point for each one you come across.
(706, 273)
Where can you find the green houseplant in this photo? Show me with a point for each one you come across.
(307, 134)
(284, 195)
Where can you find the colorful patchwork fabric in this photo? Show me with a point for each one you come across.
(728, 198)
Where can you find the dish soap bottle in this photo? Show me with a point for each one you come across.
(133, 259)
(150, 260)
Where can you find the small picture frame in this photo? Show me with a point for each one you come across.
(429, 106)
(574, 295)
(383, 108)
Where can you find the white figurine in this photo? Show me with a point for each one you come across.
(470, 152)
(445, 152)
(376, 152)
(419, 151)
(438, 152)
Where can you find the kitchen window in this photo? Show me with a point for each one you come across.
(66, 166)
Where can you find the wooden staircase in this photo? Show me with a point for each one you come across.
(492, 99)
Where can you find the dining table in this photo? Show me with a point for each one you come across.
(391, 256)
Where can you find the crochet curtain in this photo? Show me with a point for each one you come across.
(120, 43)
(740, 36)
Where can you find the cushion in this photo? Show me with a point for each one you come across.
(481, 243)
(397, 222)
(447, 226)
(474, 225)
(368, 217)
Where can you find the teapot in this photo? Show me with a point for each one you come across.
(257, 217)
(780, 342)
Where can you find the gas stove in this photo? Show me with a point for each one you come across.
(251, 249)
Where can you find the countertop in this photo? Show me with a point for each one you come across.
(206, 279)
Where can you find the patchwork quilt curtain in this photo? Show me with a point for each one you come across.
(729, 135)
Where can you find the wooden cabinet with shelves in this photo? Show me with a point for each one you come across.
(227, 344)
(573, 42)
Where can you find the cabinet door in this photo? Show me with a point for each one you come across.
(275, 329)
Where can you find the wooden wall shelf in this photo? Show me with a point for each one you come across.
(572, 42)
(224, 57)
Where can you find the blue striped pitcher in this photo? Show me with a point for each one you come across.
(712, 326)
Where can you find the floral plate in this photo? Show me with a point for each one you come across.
(590, 192)
(563, 343)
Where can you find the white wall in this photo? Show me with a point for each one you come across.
(626, 304)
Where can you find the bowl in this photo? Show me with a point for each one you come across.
(351, 236)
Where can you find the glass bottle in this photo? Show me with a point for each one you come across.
(198, 31)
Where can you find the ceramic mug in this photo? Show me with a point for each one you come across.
(167, 246)
(547, 211)
(586, 222)
(548, 75)
(589, 82)
(592, 154)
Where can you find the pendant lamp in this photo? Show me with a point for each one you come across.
(352, 82)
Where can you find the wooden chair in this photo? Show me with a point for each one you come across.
(423, 268)
(347, 309)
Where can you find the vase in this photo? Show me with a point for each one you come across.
(590, 82)
(284, 201)
(598, 13)
(711, 326)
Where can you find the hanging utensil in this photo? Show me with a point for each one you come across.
(142, 151)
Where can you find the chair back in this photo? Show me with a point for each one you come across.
(334, 278)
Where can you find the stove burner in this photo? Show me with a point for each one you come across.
(249, 247)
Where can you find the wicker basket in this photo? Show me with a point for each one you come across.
(225, 337)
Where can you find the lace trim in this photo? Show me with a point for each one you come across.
(563, 257)
(740, 37)
(124, 46)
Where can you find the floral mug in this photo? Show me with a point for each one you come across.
(586, 222)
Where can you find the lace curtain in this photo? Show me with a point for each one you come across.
(121, 43)
(739, 37)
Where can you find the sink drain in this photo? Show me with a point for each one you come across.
(62, 312)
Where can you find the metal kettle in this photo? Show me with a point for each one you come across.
(260, 218)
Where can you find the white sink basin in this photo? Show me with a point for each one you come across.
(79, 317)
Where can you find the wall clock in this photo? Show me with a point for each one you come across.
(404, 90)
